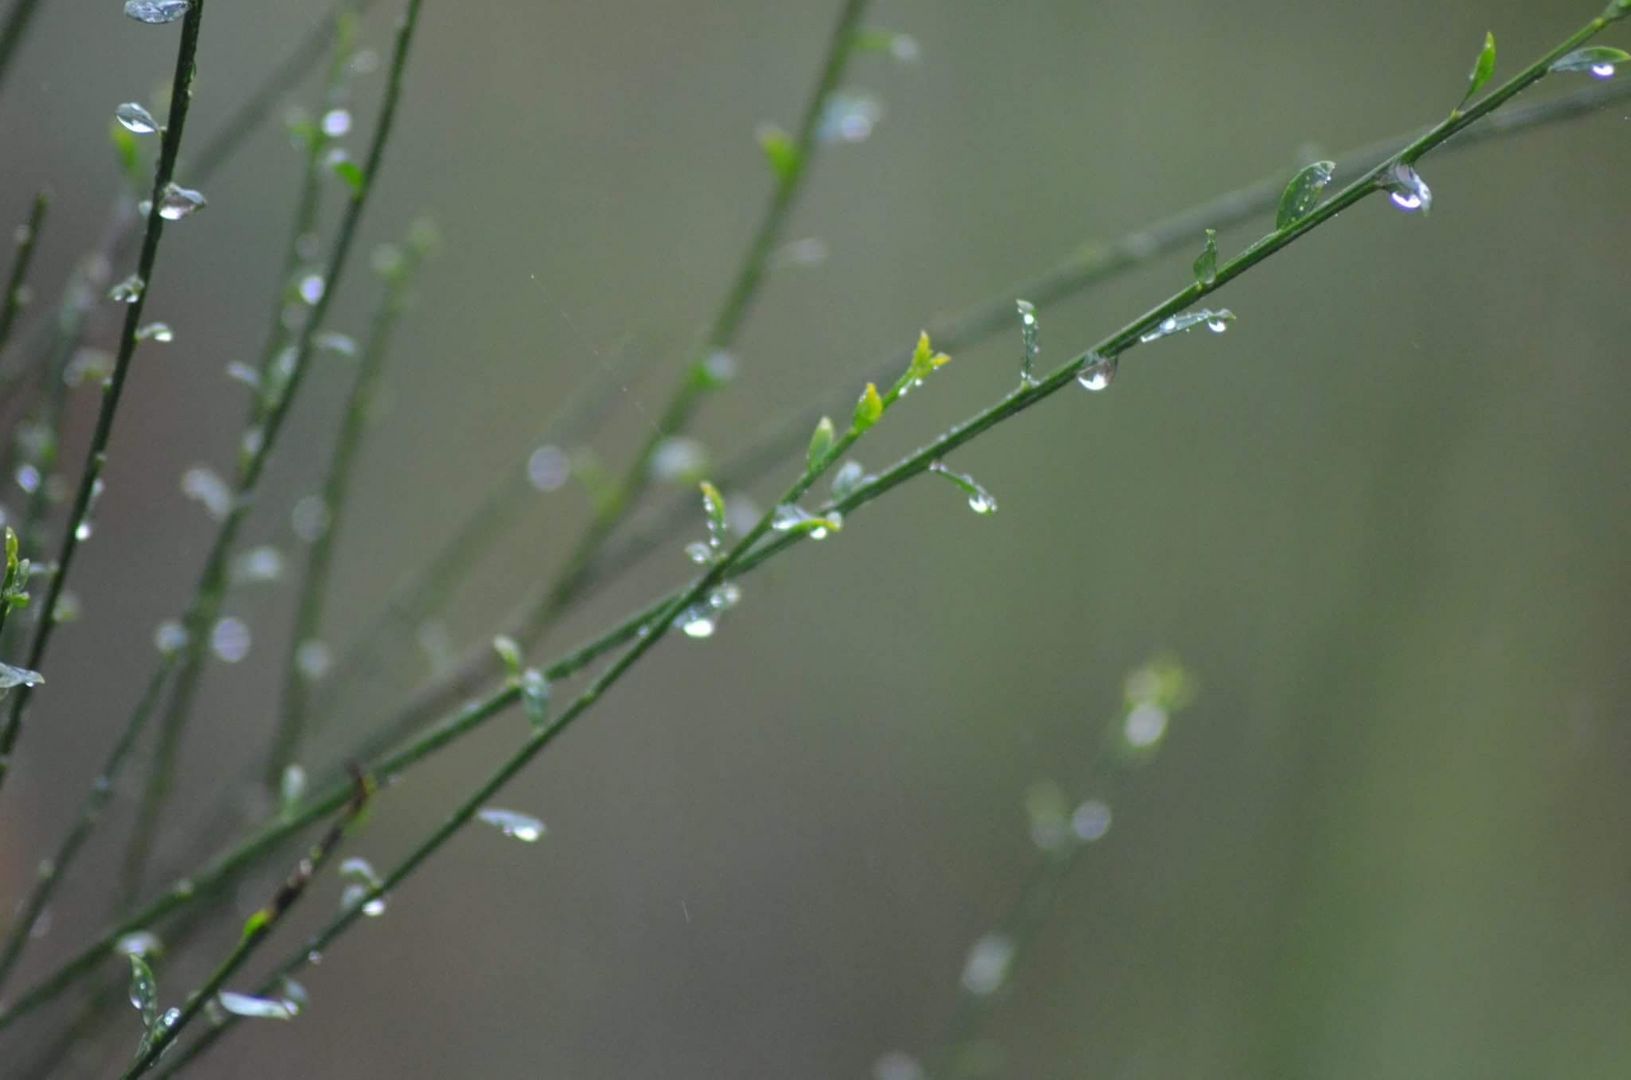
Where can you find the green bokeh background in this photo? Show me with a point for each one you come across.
(1383, 520)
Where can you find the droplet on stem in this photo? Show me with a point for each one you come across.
(156, 12)
(1098, 373)
(134, 117)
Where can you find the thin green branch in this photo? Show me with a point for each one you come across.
(658, 614)
(53, 869)
(256, 930)
(313, 586)
(97, 454)
(211, 588)
(721, 334)
(1089, 266)
(12, 31)
(28, 235)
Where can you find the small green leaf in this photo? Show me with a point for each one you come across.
(924, 362)
(869, 409)
(257, 922)
(1206, 264)
(509, 654)
(144, 991)
(1481, 70)
(1303, 193)
(128, 151)
(350, 172)
(821, 442)
(1597, 59)
(779, 150)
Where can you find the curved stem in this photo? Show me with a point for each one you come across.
(656, 616)
(212, 581)
(97, 455)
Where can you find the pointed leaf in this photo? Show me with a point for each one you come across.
(1482, 69)
(821, 443)
(779, 150)
(869, 409)
(1303, 193)
(1206, 264)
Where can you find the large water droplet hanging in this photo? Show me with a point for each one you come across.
(156, 12)
(363, 880)
(134, 117)
(1098, 373)
(697, 622)
(1145, 725)
(158, 331)
(170, 637)
(518, 826)
(548, 469)
(177, 202)
(980, 500)
(1408, 191)
(336, 123)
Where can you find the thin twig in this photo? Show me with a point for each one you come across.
(12, 31)
(212, 582)
(97, 455)
(477, 713)
(28, 236)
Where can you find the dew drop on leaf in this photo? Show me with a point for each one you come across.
(511, 823)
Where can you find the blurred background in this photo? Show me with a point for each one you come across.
(1383, 522)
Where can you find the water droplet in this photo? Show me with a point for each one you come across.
(158, 331)
(156, 12)
(139, 943)
(170, 637)
(311, 288)
(28, 478)
(896, 1065)
(292, 786)
(178, 202)
(790, 518)
(1408, 190)
(696, 622)
(548, 468)
(979, 500)
(339, 344)
(127, 291)
(987, 966)
(516, 825)
(1028, 338)
(699, 552)
(229, 639)
(258, 565)
(133, 117)
(313, 660)
(847, 479)
(725, 596)
(254, 1008)
(679, 460)
(203, 483)
(357, 892)
(314, 958)
(1090, 821)
(805, 252)
(1216, 321)
(1099, 372)
(294, 995)
(1145, 725)
(720, 366)
(309, 518)
(83, 531)
(848, 118)
(336, 123)
(68, 608)
(239, 371)
(16, 676)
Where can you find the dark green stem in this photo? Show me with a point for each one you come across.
(97, 454)
(12, 31)
(212, 583)
(314, 579)
(657, 615)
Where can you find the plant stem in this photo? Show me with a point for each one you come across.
(97, 455)
(256, 930)
(721, 334)
(314, 580)
(477, 713)
(1089, 266)
(12, 31)
(248, 117)
(53, 868)
(211, 588)
(28, 235)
